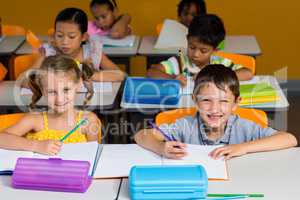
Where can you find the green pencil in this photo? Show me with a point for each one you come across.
(233, 195)
(73, 130)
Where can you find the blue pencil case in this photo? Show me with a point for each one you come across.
(168, 182)
(151, 91)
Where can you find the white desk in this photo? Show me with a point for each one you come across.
(11, 98)
(239, 44)
(274, 174)
(9, 44)
(120, 55)
(100, 189)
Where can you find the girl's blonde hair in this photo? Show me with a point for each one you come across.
(60, 63)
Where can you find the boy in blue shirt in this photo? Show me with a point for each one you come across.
(205, 33)
(216, 96)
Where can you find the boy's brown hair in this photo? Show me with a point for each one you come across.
(223, 77)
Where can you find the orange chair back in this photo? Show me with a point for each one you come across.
(22, 63)
(3, 72)
(246, 61)
(158, 28)
(168, 117)
(9, 120)
(11, 30)
(33, 40)
(50, 32)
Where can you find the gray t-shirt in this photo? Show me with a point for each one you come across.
(237, 131)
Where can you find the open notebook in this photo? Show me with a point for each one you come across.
(127, 41)
(116, 160)
(172, 36)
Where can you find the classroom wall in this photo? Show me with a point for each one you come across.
(273, 23)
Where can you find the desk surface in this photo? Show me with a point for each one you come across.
(11, 98)
(274, 174)
(110, 51)
(100, 189)
(239, 44)
(9, 44)
(186, 101)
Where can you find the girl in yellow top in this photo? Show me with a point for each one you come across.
(57, 80)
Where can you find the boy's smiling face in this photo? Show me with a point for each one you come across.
(215, 105)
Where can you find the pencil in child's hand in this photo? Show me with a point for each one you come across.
(84, 121)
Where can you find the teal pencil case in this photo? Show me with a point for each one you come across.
(168, 182)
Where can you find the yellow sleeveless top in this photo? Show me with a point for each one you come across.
(48, 134)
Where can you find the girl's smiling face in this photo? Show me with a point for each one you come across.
(60, 90)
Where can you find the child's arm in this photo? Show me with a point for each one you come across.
(244, 74)
(121, 28)
(11, 138)
(158, 71)
(152, 140)
(280, 140)
(110, 72)
(93, 128)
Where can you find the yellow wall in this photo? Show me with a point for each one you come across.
(272, 22)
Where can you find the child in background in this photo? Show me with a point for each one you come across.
(188, 9)
(216, 96)
(204, 35)
(58, 79)
(106, 22)
(71, 38)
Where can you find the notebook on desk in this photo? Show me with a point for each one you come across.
(127, 41)
(116, 160)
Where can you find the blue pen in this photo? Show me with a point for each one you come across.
(163, 133)
(168, 138)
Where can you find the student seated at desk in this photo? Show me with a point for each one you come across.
(204, 35)
(58, 79)
(71, 38)
(216, 96)
(188, 9)
(106, 22)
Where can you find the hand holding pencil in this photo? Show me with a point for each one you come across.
(171, 148)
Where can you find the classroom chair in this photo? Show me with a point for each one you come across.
(33, 40)
(3, 72)
(50, 32)
(13, 30)
(246, 61)
(158, 28)
(22, 63)
(170, 116)
(8, 120)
